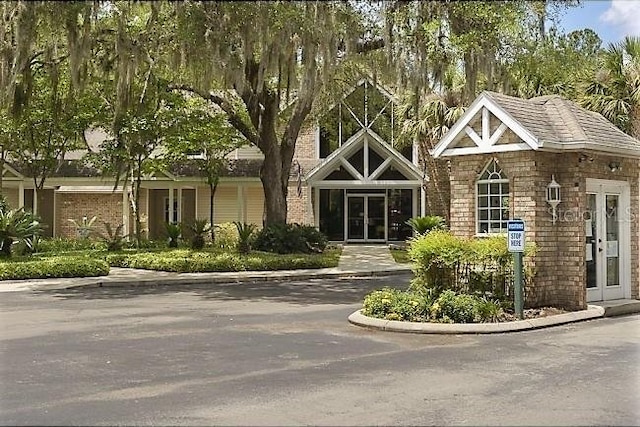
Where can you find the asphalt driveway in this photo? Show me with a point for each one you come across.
(284, 354)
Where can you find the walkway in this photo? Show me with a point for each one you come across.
(355, 261)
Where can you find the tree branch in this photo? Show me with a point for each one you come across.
(232, 115)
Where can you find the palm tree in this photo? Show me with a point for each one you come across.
(614, 89)
(427, 122)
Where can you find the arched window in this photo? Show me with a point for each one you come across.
(492, 203)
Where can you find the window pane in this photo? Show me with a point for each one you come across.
(483, 201)
(484, 227)
(495, 214)
(483, 188)
(495, 188)
(483, 214)
(495, 202)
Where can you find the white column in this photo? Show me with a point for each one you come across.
(179, 204)
(195, 207)
(53, 226)
(241, 206)
(171, 217)
(423, 201)
(316, 208)
(414, 200)
(308, 212)
(21, 195)
(35, 200)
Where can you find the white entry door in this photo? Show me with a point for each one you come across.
(607, 243)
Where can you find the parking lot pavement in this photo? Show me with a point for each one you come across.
(283, 353)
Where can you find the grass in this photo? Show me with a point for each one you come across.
(400, 256)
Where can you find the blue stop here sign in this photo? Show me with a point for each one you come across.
(515, 236)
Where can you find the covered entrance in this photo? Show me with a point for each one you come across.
(366, 217)
(607, 232)
(365, 191)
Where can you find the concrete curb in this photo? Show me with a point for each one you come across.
(357, 318)
(192, 279)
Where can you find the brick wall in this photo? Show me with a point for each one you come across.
(560, 260)
(105, 206)
(297, 206)
(12, 196)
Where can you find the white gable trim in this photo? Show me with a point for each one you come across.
(339, 158)
(485, 143)
(14, 174)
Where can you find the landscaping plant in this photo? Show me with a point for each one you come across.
(113, 237)
(199, 227)
(17, 225)
(245, 234)
(84, 227)
(424, 224)
(174, 230)
(290, 238)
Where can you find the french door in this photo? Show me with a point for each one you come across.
(607, 246)
(366, 218)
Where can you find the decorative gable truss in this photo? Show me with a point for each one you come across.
(10, 174)
(365, 160)
(485, 128)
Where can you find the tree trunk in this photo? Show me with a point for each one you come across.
(271, 175)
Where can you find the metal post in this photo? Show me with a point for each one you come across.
(518, 284)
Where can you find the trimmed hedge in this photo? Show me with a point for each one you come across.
(481, 266)
(186, 261)
(52, 267)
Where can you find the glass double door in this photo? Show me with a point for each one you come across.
(606, 244)
(366, 217)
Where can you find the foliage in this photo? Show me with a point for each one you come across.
(290, 238)
(61, 244)
(395, 304)
(428, 306)
(113, 237)
(226, 236)
(84, 227)
(613, 89)
(199, 227)
(481, 266)
(245, 236)
(17, 225)
(174, 230)
(50, 267)
(400, 255)
(424, 224)
(186, 261)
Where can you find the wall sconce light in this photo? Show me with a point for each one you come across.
(553, 196)
(614, 166)
(585, 158)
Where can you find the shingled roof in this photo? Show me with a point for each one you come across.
(547, 123)
(553, 119)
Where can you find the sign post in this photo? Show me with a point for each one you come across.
(515, 244)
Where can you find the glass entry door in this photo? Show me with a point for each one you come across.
(366, 217)
(606, 245)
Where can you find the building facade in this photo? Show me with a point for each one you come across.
(350, 179)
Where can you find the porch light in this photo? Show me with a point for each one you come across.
(553, 196)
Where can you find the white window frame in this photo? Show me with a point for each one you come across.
(166, 209)
(501, 180)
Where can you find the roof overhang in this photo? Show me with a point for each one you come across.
(88, 189)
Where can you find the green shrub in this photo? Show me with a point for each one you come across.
(174, 230)
(84, 227)
(245, 236)
(424, 224)
(395, 304)
(17, 225)
(480, 266)
(290, 238)
(454, 308)
(186, 261)
(51, 267)
(199, 227)
(226, 236)
(113, 238)
(60, 244)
